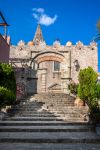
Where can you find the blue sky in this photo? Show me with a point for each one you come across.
(65, 20)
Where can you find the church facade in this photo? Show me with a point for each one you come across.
(40, 68)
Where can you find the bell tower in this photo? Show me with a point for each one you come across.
(38, 36)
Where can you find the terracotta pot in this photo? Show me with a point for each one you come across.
(79, 102)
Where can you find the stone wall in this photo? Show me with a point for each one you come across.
(85, 56)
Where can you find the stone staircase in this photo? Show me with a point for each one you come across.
(29, 125)
(63, 104)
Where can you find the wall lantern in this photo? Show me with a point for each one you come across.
(76, 64)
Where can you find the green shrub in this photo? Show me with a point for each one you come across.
(88, 89)
(7, 97)
(7, 77)
(7, 85)
(97, 90)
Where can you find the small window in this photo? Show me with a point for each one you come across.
(56, 66)
(38, 66)
(92, 48)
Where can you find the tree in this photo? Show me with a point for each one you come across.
(88, 89)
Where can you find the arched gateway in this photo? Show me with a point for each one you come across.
(48, 68)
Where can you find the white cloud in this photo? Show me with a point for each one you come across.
(38, 10)
(42, 17)
(46, 20)
(35, 16)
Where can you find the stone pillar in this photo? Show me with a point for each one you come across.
(66, 72)
(41, 85)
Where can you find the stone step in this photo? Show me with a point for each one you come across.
(49, 146)
(49, 137)
(70, 128)
(59, 105)
(59, 112)
(51, 95)
(39, 123)
(54, 99)
(58, 102)
(35, 119)
(50, 106)
(26, 109)
(30, 112)
(23, 114)
(28, 105)
(37, 115)
(69, 119)
(50, 103)
(36, 112)
(32, 102)
(65, 110)
(34, 115)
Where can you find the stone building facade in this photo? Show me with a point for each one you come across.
(4, 41)
(42, 68)
(4, 49)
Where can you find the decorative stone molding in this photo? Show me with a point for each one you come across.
(42, 44)
(55, 88)
(79, 44)
(56, 44)
(69, 43)
(49, 58)
(21, 43)
(93, 45)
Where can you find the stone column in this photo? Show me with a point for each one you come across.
(43, 80)
(66, 73)
(41, 85)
